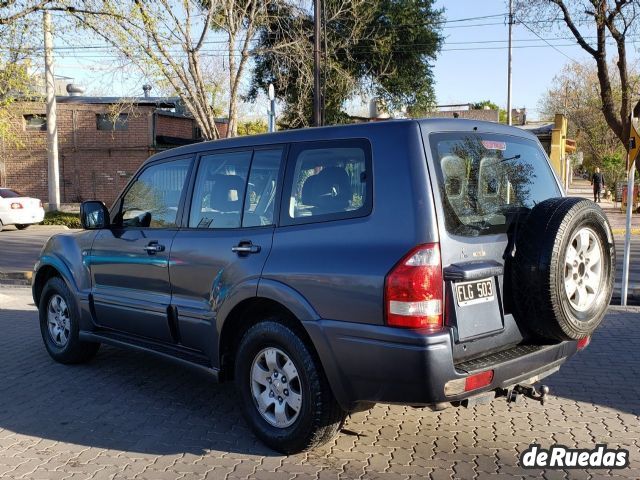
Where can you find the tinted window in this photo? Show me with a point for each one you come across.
(328, 182)
(260, 199)
(220, 190)
(154, 197)
(7, 193)
(35, 123)
(104, 121)
(485, 178)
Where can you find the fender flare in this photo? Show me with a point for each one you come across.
(60, 266)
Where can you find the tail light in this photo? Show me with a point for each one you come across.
(16, 206)
(41, 206)
(413, 290)
(584, 343)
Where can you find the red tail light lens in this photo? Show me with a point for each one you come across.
(413, 290)
(478, 380)
(584, 343)
(16, 206)
(41, 206)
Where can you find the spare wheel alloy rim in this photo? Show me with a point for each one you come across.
(58, 321)
(583, 269)
(276, 387)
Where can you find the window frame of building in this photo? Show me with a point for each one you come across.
(119, 123)
(39, 127)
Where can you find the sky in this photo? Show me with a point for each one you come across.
(464, 75)
(471, 67)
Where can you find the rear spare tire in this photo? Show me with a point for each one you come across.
(563, 269)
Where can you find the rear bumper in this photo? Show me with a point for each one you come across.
(367, 363)
(22, 216)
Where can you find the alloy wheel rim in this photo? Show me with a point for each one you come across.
(58, 321)
(583, 269)
(276, 387)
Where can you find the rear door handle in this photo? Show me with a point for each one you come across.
(153, 248)
(245, 248)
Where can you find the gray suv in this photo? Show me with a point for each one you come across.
(423, 262)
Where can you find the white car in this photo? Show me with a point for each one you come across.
(18, 210)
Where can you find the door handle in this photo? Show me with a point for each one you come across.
(245, 248)
(153, 248)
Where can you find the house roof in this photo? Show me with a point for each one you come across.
(160, 102)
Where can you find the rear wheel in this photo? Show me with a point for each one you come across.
(59, 325)
(22, 226)
(286, 398)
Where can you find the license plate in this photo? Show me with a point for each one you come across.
(470, 293)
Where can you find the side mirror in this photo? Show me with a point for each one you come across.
(94, 215)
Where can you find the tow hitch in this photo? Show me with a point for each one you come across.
(528, 391)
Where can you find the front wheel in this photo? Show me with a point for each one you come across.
(59, 325)
(22, 226)
(286, 398)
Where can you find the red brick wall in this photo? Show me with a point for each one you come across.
(94, 164)
(174, 126)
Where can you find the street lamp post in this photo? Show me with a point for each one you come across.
(272, 108)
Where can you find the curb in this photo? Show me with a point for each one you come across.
(16, 278)
(622, 231)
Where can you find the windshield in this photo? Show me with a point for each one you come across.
(485, 179)
(7, 193)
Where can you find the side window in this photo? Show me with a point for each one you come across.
(220, 190)
(330, 181)
(259, 203)
(152, 201)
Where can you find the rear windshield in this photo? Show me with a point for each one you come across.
(485, 180)
(7, 193)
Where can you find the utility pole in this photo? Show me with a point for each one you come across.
(509, 67)
(52, 128)
(317, 16)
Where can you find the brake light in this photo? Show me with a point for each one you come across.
(41, 206)
(583, 343)
(413, 290)
(16, 206)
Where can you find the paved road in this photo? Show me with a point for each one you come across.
(19, 249)
(129, 415)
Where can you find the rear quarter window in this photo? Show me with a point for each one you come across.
(327, 181)
(485, 179)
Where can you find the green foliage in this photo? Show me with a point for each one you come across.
(252, 127)
(614, 169)
(71, 220)
(14, 76)
(381, 48)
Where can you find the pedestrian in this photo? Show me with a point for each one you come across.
(597, 180)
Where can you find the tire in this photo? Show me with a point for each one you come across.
(318, 418)
(22, 226)
(64, 346)
(564, 269)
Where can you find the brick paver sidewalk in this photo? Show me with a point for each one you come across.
(130, 415)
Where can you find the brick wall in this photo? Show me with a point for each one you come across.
(174, 126)
(94, 164)
(479, 114)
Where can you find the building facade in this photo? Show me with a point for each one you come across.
(101, 143)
